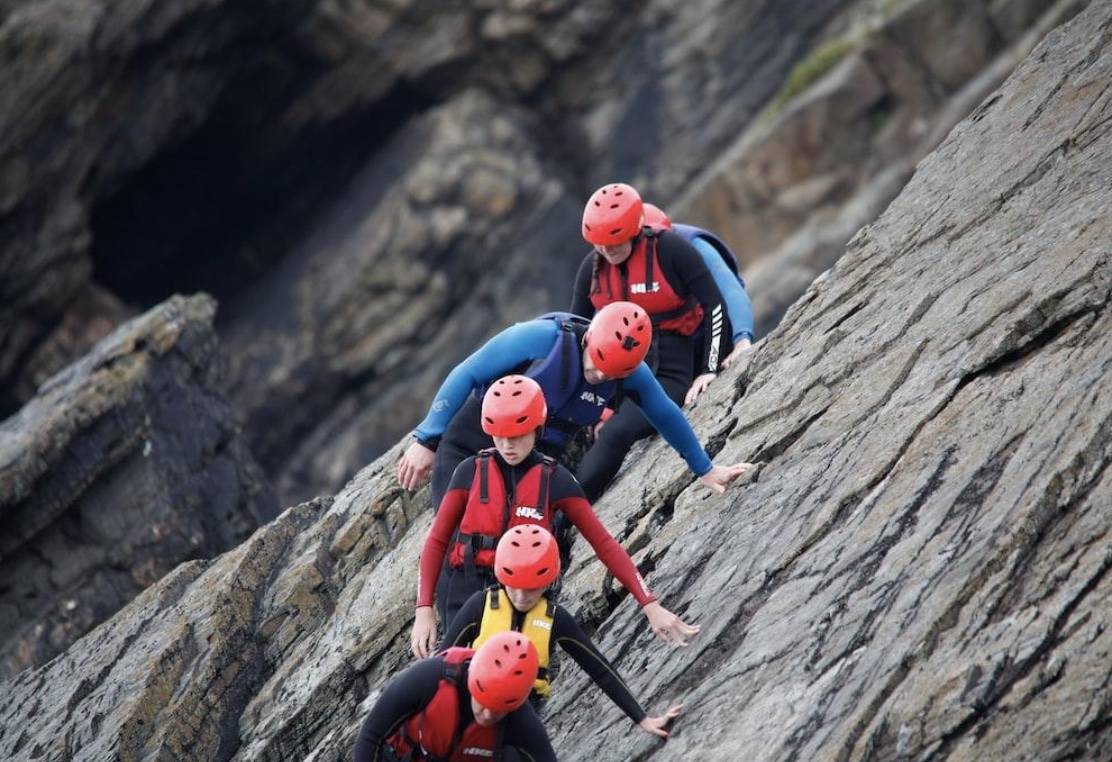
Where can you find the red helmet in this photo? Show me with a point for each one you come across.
(512, 406)
(614, 214)
(655, 218)
(502, 671)
(618, 338)
(527, 557)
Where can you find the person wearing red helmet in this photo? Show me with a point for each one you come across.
(499, 489)
(665, 276)
(463, 704)
(526, 563)
(554, 350)
(722, 264)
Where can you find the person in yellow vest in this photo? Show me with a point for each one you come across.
(526, 563)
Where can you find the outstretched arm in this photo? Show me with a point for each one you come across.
(567, 632)
(448, 517)
(520, 343)
(517, 344)
(738, 306)
(669, 420)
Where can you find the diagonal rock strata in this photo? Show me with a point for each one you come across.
(920, 569)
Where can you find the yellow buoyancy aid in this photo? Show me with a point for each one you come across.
(498, 616)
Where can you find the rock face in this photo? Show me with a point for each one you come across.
(124, 465)
(223, 147)
(798, 184)
(920, 570)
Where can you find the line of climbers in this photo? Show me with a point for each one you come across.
(657, 310)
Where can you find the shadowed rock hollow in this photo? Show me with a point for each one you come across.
(920, 570)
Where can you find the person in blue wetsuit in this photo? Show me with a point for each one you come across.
(582, 368)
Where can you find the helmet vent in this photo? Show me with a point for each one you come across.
(522, 419)
(615, 231)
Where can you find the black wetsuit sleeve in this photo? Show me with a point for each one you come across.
(464, 474)
(525, 734)
(567, 632)
(564, 485)
(407, 694)
(581, 293)
(685, 270)
(464, 627)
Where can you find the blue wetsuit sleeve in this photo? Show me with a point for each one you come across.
(738, 306)
(520, 343)
(668, 419)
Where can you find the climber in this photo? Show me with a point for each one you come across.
(460, 705)
(526, 563)
(723, 267)
(582, 367)
(498, 489)
(663, 274)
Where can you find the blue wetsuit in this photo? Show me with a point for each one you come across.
(738, 307)
(452, 425)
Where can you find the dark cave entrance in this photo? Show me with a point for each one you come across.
(219, 208)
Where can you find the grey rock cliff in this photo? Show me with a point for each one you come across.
(920, 570)
(123, 466)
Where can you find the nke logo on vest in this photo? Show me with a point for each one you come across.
(526, 512)
(639, 288)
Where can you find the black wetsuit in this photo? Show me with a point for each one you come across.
(464, 628)
(672, 357)
(523, 735)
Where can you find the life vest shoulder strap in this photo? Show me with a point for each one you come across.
(482, 466)
(437, 729)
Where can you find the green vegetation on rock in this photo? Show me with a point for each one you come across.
(812, 68)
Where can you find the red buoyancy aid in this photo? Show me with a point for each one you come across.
(491, 510)
(433, 734)
(644, 284)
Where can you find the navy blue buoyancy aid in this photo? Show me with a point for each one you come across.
(572, 402)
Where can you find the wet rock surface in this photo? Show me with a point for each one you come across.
(919, 570)
(123, 466)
